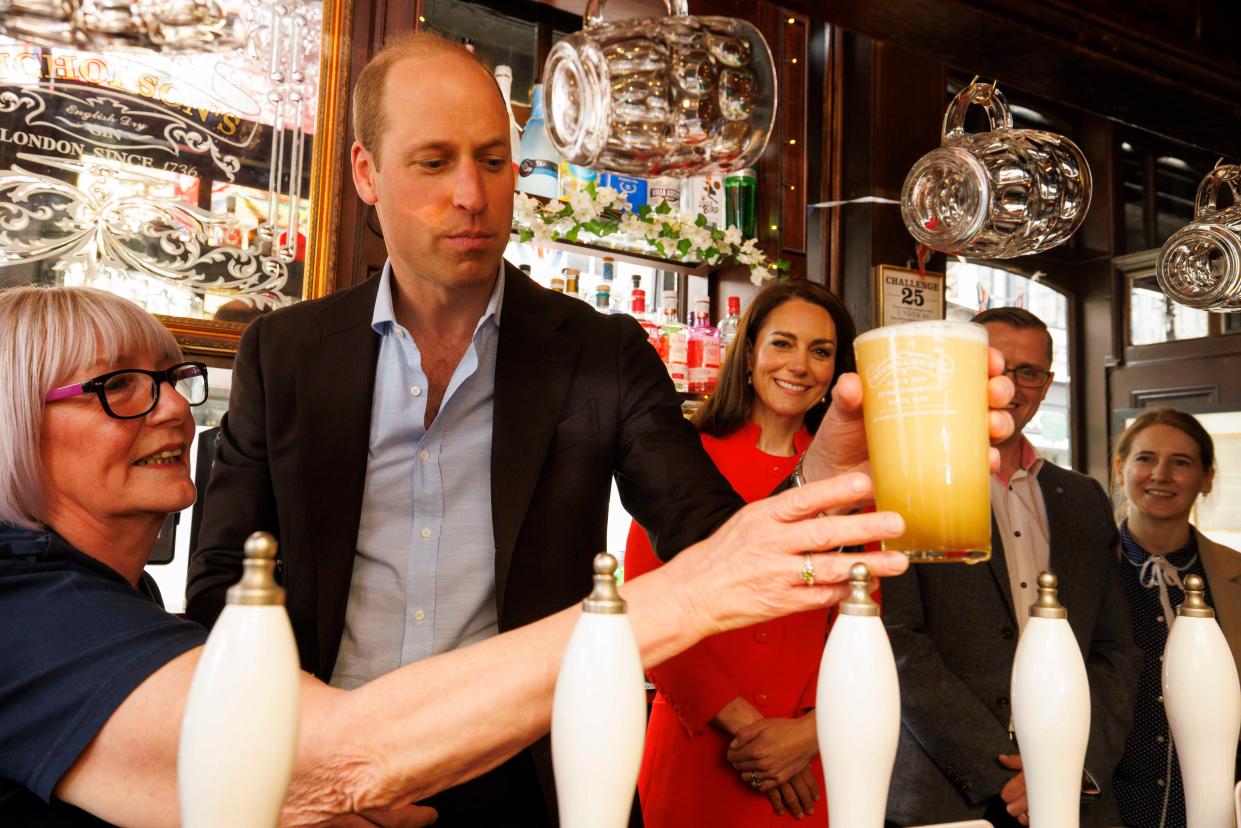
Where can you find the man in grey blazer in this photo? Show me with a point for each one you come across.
(954, 629)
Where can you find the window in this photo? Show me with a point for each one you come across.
(1160, 180)
(977, 287)
(1153, 317)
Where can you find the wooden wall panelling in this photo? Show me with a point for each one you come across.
(1097, 347)
(792, 69)
(891, 110)
(833, 186)
(855, 136)
(360, 250)
(1188, 91)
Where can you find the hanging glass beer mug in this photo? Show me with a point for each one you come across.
(1200, 264)
(676, 95)
(998, 194)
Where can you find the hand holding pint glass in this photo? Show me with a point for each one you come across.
(925, 405)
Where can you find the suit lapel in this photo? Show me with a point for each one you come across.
(336, 384)
(534, 368)
(1066, 558)
(1223, 568)
(999, 567)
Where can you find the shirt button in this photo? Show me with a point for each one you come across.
(1159, 782)
(1002, 701)
(1158, 619)
(426, 533)
(1159, 739)
(761, 636)
(424, 455)
(1006, 633)
(419, 616)
(416, 391)
(1017, 533)
(1023, 585)
(761, 698)
(1160, 699)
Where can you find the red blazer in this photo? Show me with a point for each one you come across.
(685, 778)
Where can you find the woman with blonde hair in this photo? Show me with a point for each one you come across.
(732, 738)
(1165, 461)
(95, 427)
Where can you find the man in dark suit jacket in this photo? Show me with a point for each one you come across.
(954, 629)
(578, 397)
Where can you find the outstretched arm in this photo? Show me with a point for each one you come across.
(440, 721)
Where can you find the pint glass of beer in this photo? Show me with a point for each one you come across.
(925, 406)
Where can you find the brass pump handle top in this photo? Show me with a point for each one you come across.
(1048, 605)
(1195, 604)
(593, 15)
(605, 599)
(859, 601)
(986, 95)
(258, 586)
(1208, 191)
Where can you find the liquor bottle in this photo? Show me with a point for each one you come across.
(730, 324)
(674, 342)
(603, 298)
(609, 269)
(504, 79)
(599, 711)
(1050, 698)
(668, 189)
(557, 284)
(539, 160)
(633, 189)
(239, 729)
(704, 195)
(1203, 703)
(637, 308)
(572, 278)
(704, 350)
(859, 709)
(573, 177)
(741, 201)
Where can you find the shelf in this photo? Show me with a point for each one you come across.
(627, 256)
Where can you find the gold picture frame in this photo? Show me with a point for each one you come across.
(116, 162)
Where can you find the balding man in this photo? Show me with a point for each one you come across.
(435, 448)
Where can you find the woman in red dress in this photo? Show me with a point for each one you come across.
(731, 740)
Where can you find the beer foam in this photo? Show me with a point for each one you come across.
(971, 331)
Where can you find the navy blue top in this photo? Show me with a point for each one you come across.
(78, 639)
(1148, 779)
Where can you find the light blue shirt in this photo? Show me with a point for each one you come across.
(424, 573)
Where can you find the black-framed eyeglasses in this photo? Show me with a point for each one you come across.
(1028, 377)
(132, 392)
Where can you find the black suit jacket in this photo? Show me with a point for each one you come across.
(579, 397)
(954, 634)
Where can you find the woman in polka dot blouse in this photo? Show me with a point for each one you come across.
(1164, 460)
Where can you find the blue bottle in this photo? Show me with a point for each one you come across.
(539, 172)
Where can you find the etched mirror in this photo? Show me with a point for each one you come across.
(175, 152)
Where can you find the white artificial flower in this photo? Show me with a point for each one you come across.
(584, 207)
(732, 236)
(525, 209)
(758, 275)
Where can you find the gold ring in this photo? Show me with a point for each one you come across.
(807, 571)
(755, 782)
